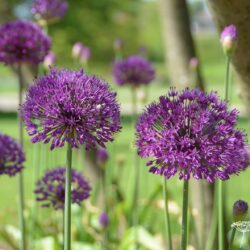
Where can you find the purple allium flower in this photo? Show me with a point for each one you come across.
(76, 49)
(49, 10)
(134, 70)
(229, 38)
(103, 220)
(194, 134)
(69, 106)
(11, 156)
(85, 54)
(49, 60)
(50, 189)
(240, 209)
(102, 155)
(23, 42)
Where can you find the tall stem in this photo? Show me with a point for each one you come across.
(220, 183)
(20, 176)
(227, 79)
(232, 239)
(214, 223)
(67, 205)
(184, 226)
(137, 174)
(220, 215)
(167, 218)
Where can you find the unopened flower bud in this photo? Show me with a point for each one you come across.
(76, 50)
(118, 44)
(103, 220)
(49, 60)
(240, 209)
(102, 155)
(193, 63)
(85, 54)
(228, 39)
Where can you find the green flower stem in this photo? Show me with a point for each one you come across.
(220, 183)
(214, 223)
(184, 226)
(167, 218)
(227, 79)
(137, 174)
(20, 175)
(232, 239)
(220, 215)
(36, 168)
(67, 205)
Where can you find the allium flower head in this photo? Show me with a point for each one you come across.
(240, 209)
(104, 220)
(69, 106)
(229, 38)
(134, 70)
(11, 156)
(193, 134)
(23, 42)
(49, 10)
(50, 189)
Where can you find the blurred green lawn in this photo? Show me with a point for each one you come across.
(212, 61)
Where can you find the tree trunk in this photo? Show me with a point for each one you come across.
(179, 49)
(226, 12)
(179, 45)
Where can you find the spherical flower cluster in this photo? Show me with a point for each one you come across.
(240, 209)
(69, 106)
(49, 10)
(23, 42)
(11, 156)
(50, 189)
(134, 70)
(229, 38)
(193, 134)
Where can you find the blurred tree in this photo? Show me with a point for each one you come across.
(179, 44)
(237, 12)
(179, 49)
